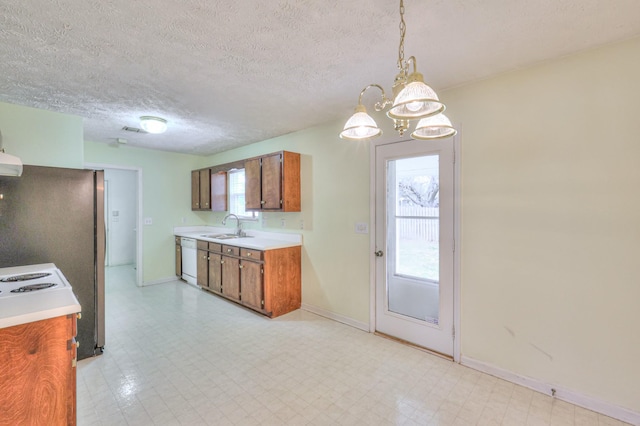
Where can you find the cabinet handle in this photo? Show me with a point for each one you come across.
(221, 262)
(240, 266)
(228, 250)
(206, 204)
(249, 254)
(263, 202)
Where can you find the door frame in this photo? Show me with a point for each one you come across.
(457, 223)
(139, 219)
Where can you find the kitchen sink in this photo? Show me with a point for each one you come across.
(224, 236)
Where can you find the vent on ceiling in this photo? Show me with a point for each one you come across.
(133, 129)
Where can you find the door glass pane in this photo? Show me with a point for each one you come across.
(413, 224)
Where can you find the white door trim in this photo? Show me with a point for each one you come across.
(456, 228)
(139, 220)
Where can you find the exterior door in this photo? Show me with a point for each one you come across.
(415, 242)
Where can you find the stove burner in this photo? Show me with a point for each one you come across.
(32, 287)
(25, 277)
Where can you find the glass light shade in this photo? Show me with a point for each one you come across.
(153, 124)
(434, 127)
(416, 100)
(360, 126)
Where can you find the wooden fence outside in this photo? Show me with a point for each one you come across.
(424, 223)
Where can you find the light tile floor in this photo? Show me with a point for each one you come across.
(176, 355)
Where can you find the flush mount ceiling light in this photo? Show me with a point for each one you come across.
(413, 100)
(152, 124)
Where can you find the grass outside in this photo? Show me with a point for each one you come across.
(419, 258)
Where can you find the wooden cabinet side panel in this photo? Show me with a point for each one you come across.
(37, 378)
(251, 284)
(219, 192)
(178, 260)
(282, 280)
(272, 182)
(291, 182)
(205, 189)
(195, 190)
(203, 268)
(215, 272)
(252, 186)
(231, 277)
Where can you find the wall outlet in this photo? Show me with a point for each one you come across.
(301, 224)
(283, 223)
(148, 221)
(362, 228)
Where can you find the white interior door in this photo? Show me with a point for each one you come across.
(415, 242)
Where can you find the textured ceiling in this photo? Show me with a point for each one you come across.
(230, 73)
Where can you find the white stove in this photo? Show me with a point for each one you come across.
(34, 292)
(26, 280)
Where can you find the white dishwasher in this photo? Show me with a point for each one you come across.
(189, 250)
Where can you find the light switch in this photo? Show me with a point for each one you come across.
(362, 228)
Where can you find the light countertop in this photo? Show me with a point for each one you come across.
(22, 308)
(257, 240)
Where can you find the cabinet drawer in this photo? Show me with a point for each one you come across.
(215, 247)
(251, 254)
(203, 245)
(231, 250)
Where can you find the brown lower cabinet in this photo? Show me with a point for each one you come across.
(38, 372)
(266, 281)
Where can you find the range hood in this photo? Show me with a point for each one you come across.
(10, 165)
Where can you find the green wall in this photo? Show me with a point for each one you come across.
(42, 138)
(550, 234)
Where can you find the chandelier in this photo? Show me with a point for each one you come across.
(413, 100)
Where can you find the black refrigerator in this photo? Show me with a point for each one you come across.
(56, 215)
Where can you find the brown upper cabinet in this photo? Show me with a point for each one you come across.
(272, 182)
(201, 189)
(219, 192)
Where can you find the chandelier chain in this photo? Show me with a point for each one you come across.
(403, 30)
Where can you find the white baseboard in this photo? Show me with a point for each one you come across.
(160, 281)
(336, 317)
(573, 397)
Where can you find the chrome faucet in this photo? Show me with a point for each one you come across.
(238, 226)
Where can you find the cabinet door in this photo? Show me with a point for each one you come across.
(252, 185)
(251, 284)
(272, 182)
(219, 192)
(178, 261)
(205, 189)
(231, 277)
(203, 268)
(215, 272)
(195, 190)
(38, 373)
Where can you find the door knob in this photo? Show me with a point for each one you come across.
(379, 253)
